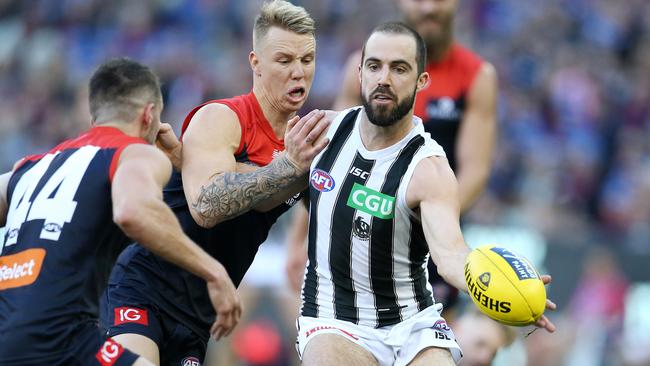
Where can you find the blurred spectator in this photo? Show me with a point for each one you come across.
(597, 311)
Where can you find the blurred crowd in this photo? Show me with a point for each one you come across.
(574, 145)
(573, 154)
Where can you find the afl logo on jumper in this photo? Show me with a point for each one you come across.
(321, 181)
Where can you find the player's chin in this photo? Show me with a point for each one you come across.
(293, 104)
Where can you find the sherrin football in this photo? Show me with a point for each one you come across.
(504, 285)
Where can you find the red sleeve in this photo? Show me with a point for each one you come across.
(227, 103)
(118, 152)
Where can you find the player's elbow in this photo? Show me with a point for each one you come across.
(204, 218)
(129, 219)
(452, 275)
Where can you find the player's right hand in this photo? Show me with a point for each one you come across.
(226, 303)
(167, 141)
(303, 140)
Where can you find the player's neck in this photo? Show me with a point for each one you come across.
(376, 137)
(129, 129)
(276, 117)
(438, 51)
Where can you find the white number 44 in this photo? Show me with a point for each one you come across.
(55, 202)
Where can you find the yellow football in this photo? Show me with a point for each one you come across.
(504, 285)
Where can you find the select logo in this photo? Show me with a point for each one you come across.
(371, 202)
(321, 180)
(131, 315)
(21, 269)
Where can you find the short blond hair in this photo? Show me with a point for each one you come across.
(285, 15)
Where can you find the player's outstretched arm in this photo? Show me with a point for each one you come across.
(4, 206)
(477, 137)
(440, 212)
(216, 191)
(139, 210)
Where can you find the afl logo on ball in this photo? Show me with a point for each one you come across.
(321, 181)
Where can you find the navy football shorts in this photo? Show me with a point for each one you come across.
(124, 311)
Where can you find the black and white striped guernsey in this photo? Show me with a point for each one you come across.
(367, 253)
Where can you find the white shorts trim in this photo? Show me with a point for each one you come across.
(393, 345)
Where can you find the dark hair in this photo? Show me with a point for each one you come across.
(120, 86)
(401, 28)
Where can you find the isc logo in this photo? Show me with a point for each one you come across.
(321, 181)
(357, 172)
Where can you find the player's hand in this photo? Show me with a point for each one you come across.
(167, 141)
(543, 321)
(304, 138)
(295, 266)
(226, 303)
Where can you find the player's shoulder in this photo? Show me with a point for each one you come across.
(464, 56)
(143, 157)
(433, 168)
(345, 117)
(347, 112)
(237, 109)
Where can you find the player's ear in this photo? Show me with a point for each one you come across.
(255, 63)
(359, 72)
(147, 115)
(423, 80)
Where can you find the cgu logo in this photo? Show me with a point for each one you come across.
(131, 315)
(321, 181)
(371, 202)
(109, 353)
(358, 172)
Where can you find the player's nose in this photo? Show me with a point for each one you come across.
(297, 70)
(384, 76)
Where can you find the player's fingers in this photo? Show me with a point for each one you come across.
(315, 133)
(319, 146)
(543, 322)
(299, 125)
(309, 125)
(546, 279)
(550, 305)
(214, 331)
(292, 122)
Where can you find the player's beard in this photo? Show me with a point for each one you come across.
(434, 38)
(387, 115)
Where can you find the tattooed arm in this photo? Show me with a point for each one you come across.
(214, 188)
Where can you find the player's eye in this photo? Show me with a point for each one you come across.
(373, 67)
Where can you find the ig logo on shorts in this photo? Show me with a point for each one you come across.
(131, 315)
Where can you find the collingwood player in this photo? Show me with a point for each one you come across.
(382, 199)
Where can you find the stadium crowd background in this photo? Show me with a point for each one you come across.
(571, 178)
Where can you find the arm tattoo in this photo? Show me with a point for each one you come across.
(231, 194)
